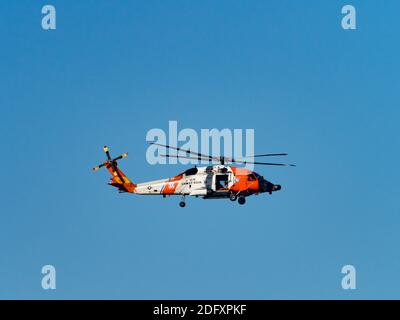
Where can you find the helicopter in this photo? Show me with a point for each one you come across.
(218, 181)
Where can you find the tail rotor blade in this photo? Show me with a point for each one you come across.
(98, 167)
(121, 156)
(115, 165)
(115, 168)
(105, 148)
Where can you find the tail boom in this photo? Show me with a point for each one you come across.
(120, 180)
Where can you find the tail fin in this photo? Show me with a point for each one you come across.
(119, 179)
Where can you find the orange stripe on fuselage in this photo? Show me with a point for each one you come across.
(171, 185)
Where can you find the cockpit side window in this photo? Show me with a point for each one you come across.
(251, 177)
(191, 171)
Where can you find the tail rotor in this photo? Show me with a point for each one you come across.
(112, 163)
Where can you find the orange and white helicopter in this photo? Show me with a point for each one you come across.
(210, 182)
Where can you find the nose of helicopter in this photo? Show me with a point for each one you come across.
(267, 186)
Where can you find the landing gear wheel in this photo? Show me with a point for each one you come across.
(242, 200)
(232, 197)
(182, 204)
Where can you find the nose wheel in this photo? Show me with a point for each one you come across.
(242, 200)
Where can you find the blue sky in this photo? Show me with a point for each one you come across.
(111, 71)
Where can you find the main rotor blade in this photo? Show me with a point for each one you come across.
(183, 157)
(266, 163)
(187, 151)
(201, 156)
(266, 155)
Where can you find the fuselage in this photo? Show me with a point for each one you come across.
(217, 181)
